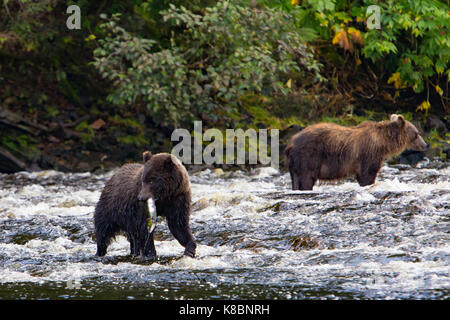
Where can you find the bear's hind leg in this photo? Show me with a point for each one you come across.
(148, 246)
(104, 234)
(134, 245)
(102, 245)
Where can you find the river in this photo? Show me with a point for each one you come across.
(257, 239)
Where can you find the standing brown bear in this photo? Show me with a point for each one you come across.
(123, 204)
(328, 151)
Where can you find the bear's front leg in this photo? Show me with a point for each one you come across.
(101, 247)
(179, 226)
(190, 249)
(295, 180)
(368, 173)
(305, 182)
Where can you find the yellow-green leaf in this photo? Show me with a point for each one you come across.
(90, 38)
(289, 83)
(424, 106)
(395, 78)
(416, 32)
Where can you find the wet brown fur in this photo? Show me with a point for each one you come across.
(329, 151)
(122, 206)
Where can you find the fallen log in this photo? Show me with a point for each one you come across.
(9, 163)
(12, 119)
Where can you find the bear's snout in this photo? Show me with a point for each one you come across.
(141, 197)
(419, 144)
(145, 193)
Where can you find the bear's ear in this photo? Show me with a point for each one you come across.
(398, 118)
(146, 156)
(169, 163)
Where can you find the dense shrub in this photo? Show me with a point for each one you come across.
(414, 40)
(412, 46)
(213, 58)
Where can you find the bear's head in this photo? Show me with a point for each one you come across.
(413, 140)
(163, 176)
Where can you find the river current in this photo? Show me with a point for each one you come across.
(257, 239)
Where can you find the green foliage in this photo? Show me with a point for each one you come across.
(128, 131)
(52, 111)
(348, 120)
(21, 145)
(26, 23)
(149, 12)
(213, 59)
(434, 138)
(86, 132)
(413, 40)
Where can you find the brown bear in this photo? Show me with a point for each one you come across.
(329, 151)
(123, 207)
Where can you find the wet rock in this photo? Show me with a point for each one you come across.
(68, 204)
(274, 207)
(237, 199)
(434, 164)
(265, 172)
(200, 204)
(433, 153)
(196, 168)
(411, 157)
(218, 172)
(447, 153)
(280, 206)
(249, 244)
(6, 214)
(303, 242)
(46, 174)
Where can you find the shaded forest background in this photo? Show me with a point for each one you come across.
(93, 98)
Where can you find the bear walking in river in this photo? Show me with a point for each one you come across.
(328, 151)
(123, 204)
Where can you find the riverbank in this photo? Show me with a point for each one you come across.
(74, 141)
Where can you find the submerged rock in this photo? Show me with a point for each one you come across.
(411, 157)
